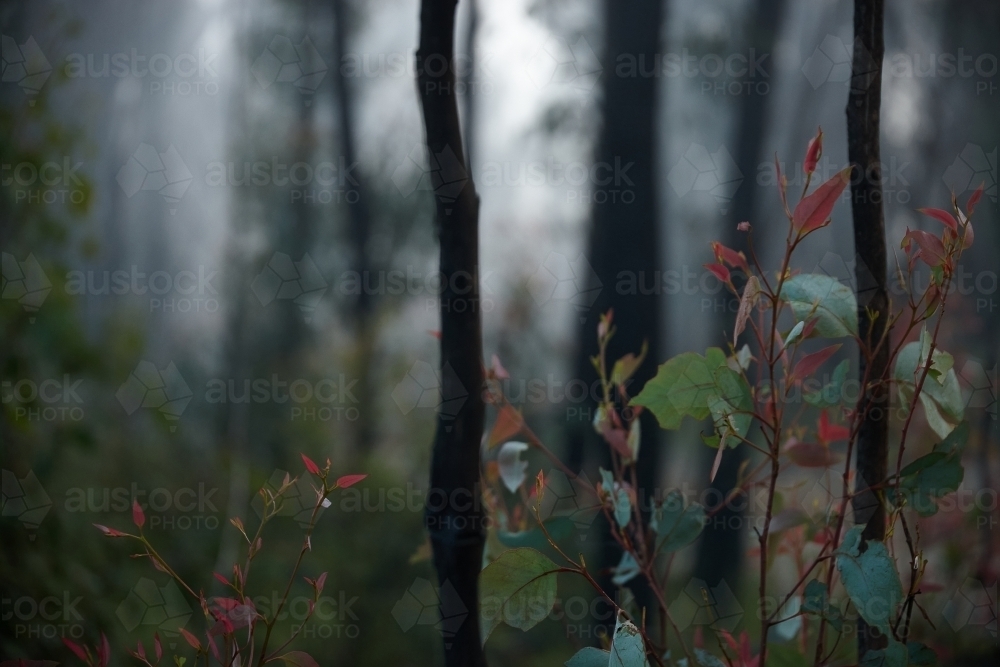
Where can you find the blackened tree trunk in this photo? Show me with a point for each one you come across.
(359, 221)
(863, 115)
(456, 532)
(624, 241)
(719, 552)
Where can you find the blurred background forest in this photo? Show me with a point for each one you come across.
(218, 252)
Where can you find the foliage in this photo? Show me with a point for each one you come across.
(754, 395)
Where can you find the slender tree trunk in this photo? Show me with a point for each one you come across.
(456, 530)
(719, 550)
(359, 216)
(624, 241)
(863, 116)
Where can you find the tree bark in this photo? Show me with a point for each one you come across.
(625, 238)
(719, 551)
(359, 220)
(456, 530)
(863, 116)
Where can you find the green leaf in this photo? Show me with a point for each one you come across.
(816, 601)
(682, 387)
(870, 579)
(825, 298)
(935, 475)
(627, 647)
(518, 588)
(893, 655)
(831, 394)
(941, 396)
(921, 655)
(676, 523)
(589, 657)
(732, 407)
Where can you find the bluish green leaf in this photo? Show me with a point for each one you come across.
(941, 396)
(870, 579)
(935, 475)
(518, 588)
(589, 657)
(627, 647)
(676, 523)
(832, 393)
(817, 295)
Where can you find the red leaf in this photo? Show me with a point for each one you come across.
(720, 271)
(813, 210)
(190, 639)
(103, 651)
(110, 532)
(931, 249)
(942, 216)
(157, 647)
(810, 454)
(320, 582)
(813, 151)
(138, 517)
(76, 648)
(310, 464)
(508, 424)
(221, 579)
(782, 183)
(809, 363)
(140, 650)
(349, 480)
(213, 647)
(735, 259)
(828, 432)
(974, 198)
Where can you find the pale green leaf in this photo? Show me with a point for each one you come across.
(518, 588)
(825, 298)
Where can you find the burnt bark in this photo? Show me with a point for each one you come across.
(863, 117)
(624, 243)
(359, 224)
(456, 530)
(719, 551)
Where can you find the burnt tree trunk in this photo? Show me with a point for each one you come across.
(456, 530)
(863, 116)
(720, 548)
(624, 244)
(359, 221)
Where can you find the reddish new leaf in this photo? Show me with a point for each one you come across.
(349, 480)
(320, 582)
(76, 648)
(498, 370)
(222, 579)
(811, 362)
(719, 271)
(829, 432)
(110, 532)
(298, 659)
(138, 517)
(813, 210)
(190, 639)
(813, 152)
(942, 216)
(310, 465)
(724, 255)
(751, 293)
(103, 651)
(157, 647)
(930, 248)
(974, 198)
(508, 424)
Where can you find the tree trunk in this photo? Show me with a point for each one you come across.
(456, 530)
(625, 237)
(359, 218)
(863, 115)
